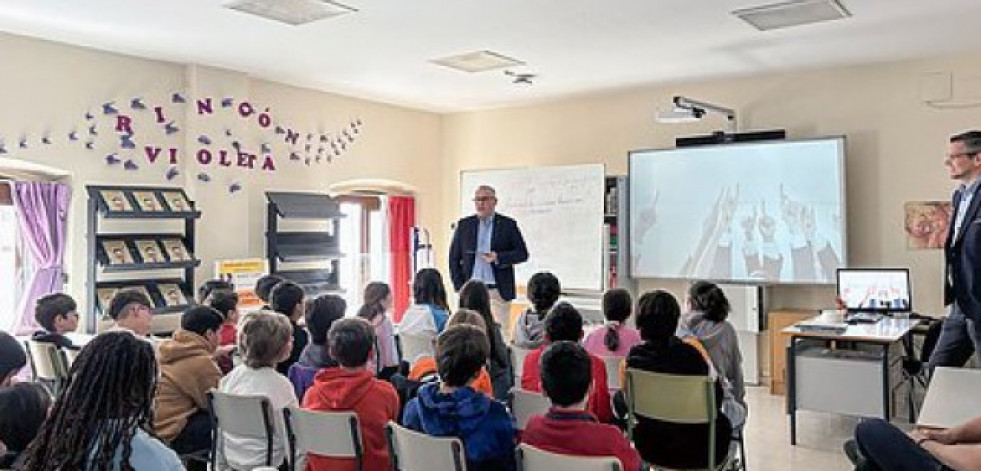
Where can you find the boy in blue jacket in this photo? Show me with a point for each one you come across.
(452, 408)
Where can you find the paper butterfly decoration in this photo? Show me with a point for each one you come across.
(130, 165)
(234, 187)
(177, 98)
(90, 145)
(171, 128)
(280, 130)
(108, 108)
(227, 102)
(204, 140)
(204, 177)
(73, 135)
(45, 140)
(265, 148)
(294, 156)
(137, 104)
(88, 116)
(172, 172)
(92, 131)
(113, 159)
(23, 143)
(126, 142)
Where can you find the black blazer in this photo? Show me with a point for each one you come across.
(506, 241)
(962, 282)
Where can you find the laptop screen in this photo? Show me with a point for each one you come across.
(881, 289)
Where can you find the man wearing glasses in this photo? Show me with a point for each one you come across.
(485, 247)
(961, 331)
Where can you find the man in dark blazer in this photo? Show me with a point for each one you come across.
(485, 247)
(961, 332)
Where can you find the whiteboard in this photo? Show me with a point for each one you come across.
(560, 213)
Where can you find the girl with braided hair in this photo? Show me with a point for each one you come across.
(103, 420)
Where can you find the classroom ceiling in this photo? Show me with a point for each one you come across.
(384, 51)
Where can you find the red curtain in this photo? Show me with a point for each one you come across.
(401, 218)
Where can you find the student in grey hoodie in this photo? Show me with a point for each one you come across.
(706, 320)
(543, 292)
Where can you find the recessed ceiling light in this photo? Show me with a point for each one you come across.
(291, 12)
(793, 13)
(478, 61)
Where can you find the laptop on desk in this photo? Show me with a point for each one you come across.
(871, 293)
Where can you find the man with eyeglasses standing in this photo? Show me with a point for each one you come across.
(485, 247)
(961, 331)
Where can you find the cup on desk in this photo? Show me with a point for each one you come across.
(832, 315)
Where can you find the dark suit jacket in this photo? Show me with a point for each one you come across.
(962, 282)
(506, 241)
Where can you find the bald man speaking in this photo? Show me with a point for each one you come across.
(485, 247)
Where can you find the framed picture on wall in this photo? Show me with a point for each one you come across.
(176, 251)
(117, 252)
(105, 296)
(115, 200)
(172, 294)
(176, 201)
(149, 251)
(147, 200)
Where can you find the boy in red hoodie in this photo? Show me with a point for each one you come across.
(352, 387)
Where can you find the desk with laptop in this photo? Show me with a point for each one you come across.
(857, 361)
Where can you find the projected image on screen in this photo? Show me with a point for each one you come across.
(766, 212)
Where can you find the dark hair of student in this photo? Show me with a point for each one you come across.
(616, 308)
(428, 288)
(474, 296)
(374, 297)
(461, 351)
(543, 291)
(12, 356)
(350, 341)
(657, 316)
(566, 373)
(200, 319)
(321, 313)
(50, 306)
(124, 298)
(210, 286)
(224, 301)
(284, 298)
(107, 397)
(265, 284)
(563, 322)
(23, 408)
(708, 298)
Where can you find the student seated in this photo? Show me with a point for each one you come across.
(210, 286)
(567, 379)
(424, 369)
(265, 338)
(451, 408)
(427, 317)
(564, 322)
(353, 387)
(675, 446)
(99, 420)
(12, 358)
(706, 321)
(319, 313)
(883, 447)
(543, 291)
(616, 338)
(132, 312)
(287, 299)
(377, 302)
(475, 296)
(56, 313)
(187, 372)
(264, 285)
(23, 408)
(225, 301)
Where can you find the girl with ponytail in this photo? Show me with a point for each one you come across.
(615, 338)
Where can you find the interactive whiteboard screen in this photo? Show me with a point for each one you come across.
(770, 212)
(560, 213)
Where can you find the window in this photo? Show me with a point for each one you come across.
(364, 242)
(9, 278)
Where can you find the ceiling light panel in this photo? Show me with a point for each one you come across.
(793, 13)
(478, 61)
(291, 12)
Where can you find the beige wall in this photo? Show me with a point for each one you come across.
(48, 86)
(895, 146)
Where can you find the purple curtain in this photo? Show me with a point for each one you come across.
(42, 213)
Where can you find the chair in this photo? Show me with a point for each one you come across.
(48, 364)
(71, 354)
(333, 434)
(525, 404)
(414, 451)
(678, 399)
(414, 346)
(612, 372)
(517, 356)
(248, 416)
(530, 458)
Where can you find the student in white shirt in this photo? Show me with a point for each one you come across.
(427, 317)
(264, 339)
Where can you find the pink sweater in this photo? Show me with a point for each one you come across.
(593, 343)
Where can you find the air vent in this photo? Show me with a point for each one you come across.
(478, 61)
(291, 12)
(794, 13)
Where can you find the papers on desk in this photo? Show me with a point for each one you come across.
(817, 324)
